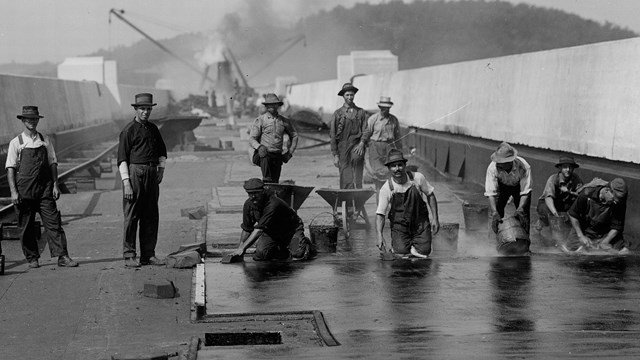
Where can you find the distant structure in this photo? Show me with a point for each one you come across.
(364, 63)
(91, 68)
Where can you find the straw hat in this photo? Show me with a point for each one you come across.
(504, 153)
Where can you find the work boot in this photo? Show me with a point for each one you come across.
(152, 261)
(66, 261)
(34, 264)
(131, 263)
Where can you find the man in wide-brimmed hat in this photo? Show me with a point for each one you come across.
(274, 225)
(381, 134)
(346, 128)
(597, 217)
(32, 173)
(142, 155)
(559, 192)
(266, 137)
(403, 198)
(508, 176)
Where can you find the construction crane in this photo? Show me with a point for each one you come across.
(119, 13)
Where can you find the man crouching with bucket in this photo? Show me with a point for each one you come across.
(403, 197)
(275, 226)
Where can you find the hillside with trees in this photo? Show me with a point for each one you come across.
(421, 33)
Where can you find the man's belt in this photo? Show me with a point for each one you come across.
(150, 163)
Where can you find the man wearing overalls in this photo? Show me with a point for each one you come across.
(508, 175)
(403, 197)
(32, 172)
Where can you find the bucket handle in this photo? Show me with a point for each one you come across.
(324, 212)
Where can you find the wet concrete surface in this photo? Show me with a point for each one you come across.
(471, 304)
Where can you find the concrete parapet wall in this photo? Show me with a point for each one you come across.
(581, 99)
(467, 158)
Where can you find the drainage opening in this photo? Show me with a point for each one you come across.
(247, 338)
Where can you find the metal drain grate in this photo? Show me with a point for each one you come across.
(246, 338)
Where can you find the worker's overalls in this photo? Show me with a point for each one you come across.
(409, 220)
(348, 135)
(34, 183)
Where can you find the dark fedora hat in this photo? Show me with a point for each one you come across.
(144, 99)
(272, 99)
(253, 185)
(385, 101)
(567, 160)
(347, 87)
(394, 155)
(504, 153)
(30, 112)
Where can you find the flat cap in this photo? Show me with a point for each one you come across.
(253, 184)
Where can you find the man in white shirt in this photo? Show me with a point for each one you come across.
(403, 198)
(508, 175)
(32, 173)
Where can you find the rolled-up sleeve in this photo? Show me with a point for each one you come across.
(491, 181)
(12, 155)
(255, 133)
(525, 180)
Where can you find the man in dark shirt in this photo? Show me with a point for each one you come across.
(141, 160)
(597, 217)
(559, 192)
(346, 128)
(275, 226)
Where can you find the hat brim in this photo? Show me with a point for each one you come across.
(353, 88)
(574, 165)
(279, 103)
(501, 160)
(143, 104)
(395, 161)
(385, 105)
(29, 117)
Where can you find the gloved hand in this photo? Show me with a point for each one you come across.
(262, 151)
(523, 218)
(286, 157)
(495, 220)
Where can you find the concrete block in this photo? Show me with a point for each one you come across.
(160, 290)
(182, 260)
(195, 213)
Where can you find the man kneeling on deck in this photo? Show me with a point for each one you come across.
(597, 217)
(276, 227)
(405, 194)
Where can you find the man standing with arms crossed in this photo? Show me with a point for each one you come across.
(141, 161)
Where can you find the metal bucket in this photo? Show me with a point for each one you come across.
(560, 228)
(476, 216)
(325, 237)
(512, 238)
(446, 240)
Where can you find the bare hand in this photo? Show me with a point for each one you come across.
(16, 198)
(359, 149)
(336, 161)
(56, 192)
(584, 240)
(160, 174)
(128, 191)
(435, 227)
(381, 244)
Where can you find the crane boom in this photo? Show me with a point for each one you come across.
(164, 48)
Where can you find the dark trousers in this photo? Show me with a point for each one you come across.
(402, 238)
(141, 210)
(53, 232)
(504, 192)
(271, 167)
(351, 172)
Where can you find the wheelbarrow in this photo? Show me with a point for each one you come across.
(293, 195)
(347, 204)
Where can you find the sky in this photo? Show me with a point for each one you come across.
(33, 31)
